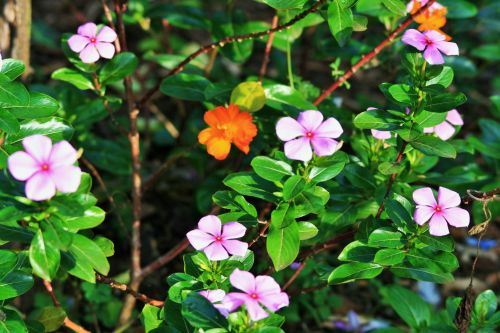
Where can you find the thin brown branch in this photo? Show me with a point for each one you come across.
(123, 287)
(229, 40)
(165, 259)
(109, 17)
(473, 195)
(267, 53)
(294, 276)
(67, 322)
(154, 178)
(369, 56)
(391, 179)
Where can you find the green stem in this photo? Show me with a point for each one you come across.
(289, 57)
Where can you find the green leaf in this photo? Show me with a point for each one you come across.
(78, 267)
(249, 184)
(444, 261)
(442, 75)
(430, 119)
(50, 317)
(233, 201)
(431, 145)
(293, 187)
(249, 96)
(199, 312)
(444, 243)
(106, 245)
(310, 201)
(438, 99)
(224, 25)
(459, 8)
(402, 93)
(8, 261)
(388, 168)
(285, 4)
(189, 87)
(151, 319)
(307, 230)
(389, 257)
(340, 21)
(89, 219)
(485, 304)
(354, 271)
(15, 284)
(44, 256)
(11, 322)
(270, 169)
(327, 167)
(357, 251)
(283, 245)
(55, 128)
(489, 52)
(409, 306)
(399, 215)
(377, 119)
(385, 237)
(286, 99)
(397, 7)
(360, 177)
(85, 250)
(424, 273)
(76, 78)
(8, 123)
(12, 68)
(118, 68)
(282, 216)
(12, 93)
(39, 106)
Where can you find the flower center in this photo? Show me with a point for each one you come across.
(428, 41)
(309, 135)
(218, 238)
(93, 40)
(45, 167)
(254, 296)
(438, 209)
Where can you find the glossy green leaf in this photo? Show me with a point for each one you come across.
(85, 250)
(249, 96)
(199, 312)
(286, 99)
(431, 145)
(249, 184)
(293, 187)
(12, 68)
(189, 87)
(76, 78)
(357, 251)
(11, 322)
(377, 119)
(408, 305)
(15, 284)
(233, 201)
(39, 106)
(283, 245)
(270, 169)
(283, 215)
(340, 21)
(307, 230)
(326, 168)
(285, 4)
(44, 256)
(438, 99)
(50, 317)
(389, 257)
(385, 237)
(354, 271)
(55, 128)
(118, 68)
(397, 7)
(8, 123)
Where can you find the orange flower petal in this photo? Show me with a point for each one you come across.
(218, 148)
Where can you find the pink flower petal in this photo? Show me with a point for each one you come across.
(216, 252)
(275, 302)
(448, 48)
(106, 35)
(448, 198)
(222, 309)
(40, 187)
(106, 50)
(210, 224)
(438, 226)
(457, 217)
(330, 128)
(434, 36)
(255, 311)
(414, 38)
(199, 239)
(77, 43)
(39, 147)
(310, 120)
(298, 149)
(424, 196)
(423, 214)
(433, 56)
(88, 29)
(62, 154)
(288, 128)
(22, 166)
(429, 130)
(454, 118)
(235, 247)
(381, 135)
(213, 296)
(444, 130)
(324, 146)
(232, 301)
(232, 230)
(242, 280)
(266, 285)
(66, 178)
(89, 54)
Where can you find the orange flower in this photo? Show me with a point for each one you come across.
(227, 125)
(434, 18)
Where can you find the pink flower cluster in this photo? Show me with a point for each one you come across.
(45, 167)
(442, 212)
(92, 44)
(256, 292)
(309, 129)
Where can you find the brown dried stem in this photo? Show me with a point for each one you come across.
(123, 287)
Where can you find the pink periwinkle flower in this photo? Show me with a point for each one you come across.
(381, 135)
(441, 213)
(433, 7)
(445, 130)
(309, 128)
(257, 291)
(217, 240)
(92, 45)
(216, 297)
(45, 167)
(432, 42)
